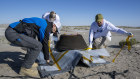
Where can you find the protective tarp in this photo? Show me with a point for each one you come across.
(66, 61)
(98, 52)
(93, 58)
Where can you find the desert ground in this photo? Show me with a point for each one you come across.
(126, 66)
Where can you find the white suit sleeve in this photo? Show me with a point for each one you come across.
(91, 36)
(116, 29)
(46, 15)
(57, 23)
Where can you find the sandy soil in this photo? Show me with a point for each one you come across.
(126, 66)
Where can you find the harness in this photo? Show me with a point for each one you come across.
(29, 29)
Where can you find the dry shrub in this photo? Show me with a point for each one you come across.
(132, 42)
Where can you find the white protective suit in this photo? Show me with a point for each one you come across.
(104, 30)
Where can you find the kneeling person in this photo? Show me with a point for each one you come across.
(99, 34)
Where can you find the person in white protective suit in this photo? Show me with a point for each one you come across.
(100, 35)
(53, 17)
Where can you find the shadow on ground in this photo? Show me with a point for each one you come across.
(13, 59)
(114, 46)
(22, 77)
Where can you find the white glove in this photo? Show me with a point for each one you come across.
(129, 34)
(90, 46)
(51, 37)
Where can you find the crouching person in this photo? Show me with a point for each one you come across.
(53, 17)
(24, 33)
(100, 35)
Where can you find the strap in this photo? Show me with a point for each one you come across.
(61, 56)
(90, 60)
(86, 59)
(89, 48)
(57, 65)
(128, 44)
